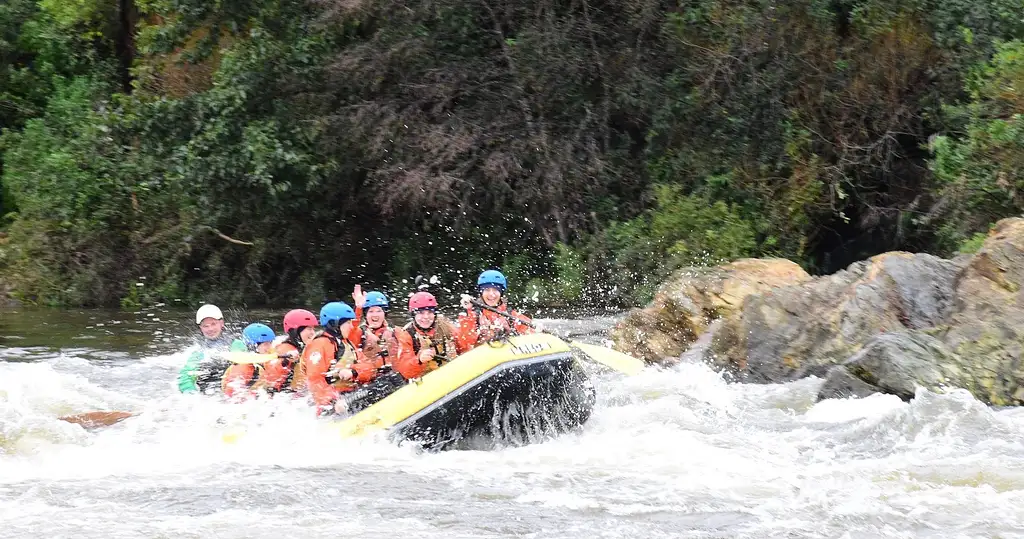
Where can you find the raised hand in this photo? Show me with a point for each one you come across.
(358, 296)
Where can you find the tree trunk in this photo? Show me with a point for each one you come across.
(125, 42)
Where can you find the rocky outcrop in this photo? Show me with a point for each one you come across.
(6, 300)
(803, 330)
(987, 323)
(892, 323)
(841, 384)
(898, 363)
(692, 298)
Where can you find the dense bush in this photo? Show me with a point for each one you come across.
(980, 168)
(278, 151)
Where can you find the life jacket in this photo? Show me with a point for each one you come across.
(230, 386)
(212, 367)
(378, 347)
(441, 340)
(344, 355)
(486, 328)
(291, 364)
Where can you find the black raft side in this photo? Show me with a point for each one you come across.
(515, 403)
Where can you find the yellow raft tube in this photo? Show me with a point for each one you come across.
(512, 392)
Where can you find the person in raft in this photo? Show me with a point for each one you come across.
(203, 369)
(426, 341)
(378, 342)
(239, 378)
(281, 374)
(477, 325)
(329, 362)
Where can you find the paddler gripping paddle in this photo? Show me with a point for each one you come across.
(606, 356)
(93, 420)
(251, 358)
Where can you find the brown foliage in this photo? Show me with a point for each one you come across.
(495, 120)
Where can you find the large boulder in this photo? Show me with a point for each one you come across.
(840, 383)
(987, 322)
(692, 298)
(892, 323)
(805, 329)
(898, 363)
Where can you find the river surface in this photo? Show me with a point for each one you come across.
(680, 452)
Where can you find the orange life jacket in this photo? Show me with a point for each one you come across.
(412, 339)
(476, 327)
(239, 378)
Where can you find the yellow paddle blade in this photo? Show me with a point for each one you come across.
(614, 359)
(232, 436)
(248, 358)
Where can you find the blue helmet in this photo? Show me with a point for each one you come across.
(337, 313)
(492, 278)
(254, 334)
(376, 299)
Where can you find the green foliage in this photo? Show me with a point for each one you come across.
(981, 170)
(972, 244)
(279, 151)
(74, 180)
(681, 230)
(571, 278)
(78, 13)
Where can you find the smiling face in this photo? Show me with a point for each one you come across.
(307, 334)
(491, 295)
(211, 328)
(375, 317)
(424, 318)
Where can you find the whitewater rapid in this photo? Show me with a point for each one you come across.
(679, 452)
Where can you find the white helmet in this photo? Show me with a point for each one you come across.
(208, 311)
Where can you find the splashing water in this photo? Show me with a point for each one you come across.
(668, 453)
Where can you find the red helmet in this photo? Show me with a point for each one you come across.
(422, 300)
(297, 318)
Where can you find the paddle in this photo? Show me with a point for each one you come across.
(608, 357)
(92, 420)
(613, 359)
(249, 358)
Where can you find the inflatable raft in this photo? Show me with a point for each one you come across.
(512, 392)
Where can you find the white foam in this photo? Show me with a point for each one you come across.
(672, 452)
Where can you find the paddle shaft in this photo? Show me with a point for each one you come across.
(621, 362)
(508, 315)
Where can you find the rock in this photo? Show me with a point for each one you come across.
(694, 297)
(805, 329)
(5, 296)
(987, 323)
(895, 322)
(841, 384)
(898, 363)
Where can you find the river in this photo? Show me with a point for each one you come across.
(679, 452)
